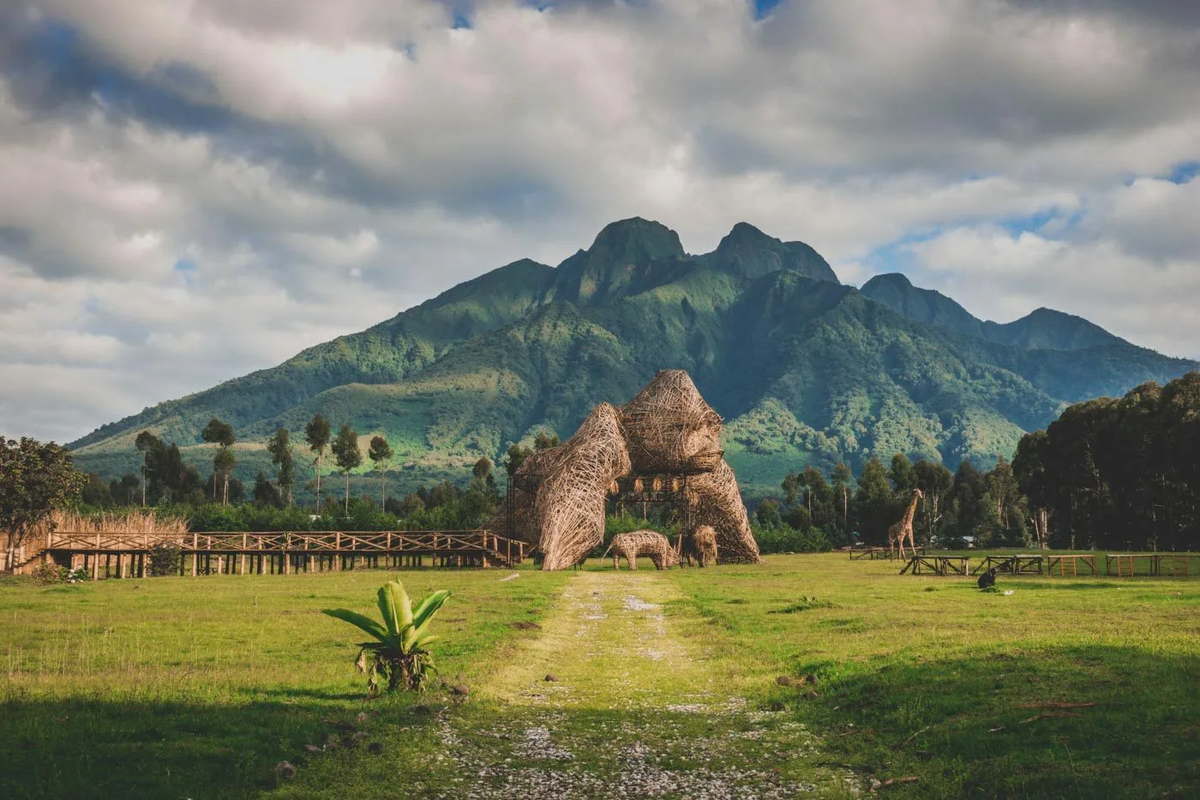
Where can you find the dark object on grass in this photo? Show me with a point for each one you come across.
(523, 625)
(460, 690)
(374, 748)
(784, 680)
(988, 579)
(551, 678)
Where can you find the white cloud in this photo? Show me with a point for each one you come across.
(320, 166)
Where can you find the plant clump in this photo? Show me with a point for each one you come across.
(398, 654)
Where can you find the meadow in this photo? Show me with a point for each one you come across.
(805, 674)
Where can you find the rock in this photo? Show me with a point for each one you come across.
(312, 748)
(343, 725)
(374, 748)
(811, 679)
(332, 742)
(811, 695)
(551, 678)
(875, 784)
(460, 690)
(784, 680)
(361, 718)
(284, 770)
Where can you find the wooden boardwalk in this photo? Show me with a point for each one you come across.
(1178, 565)
(126, 555)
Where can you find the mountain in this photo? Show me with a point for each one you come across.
(803, 368)
(1044, 329)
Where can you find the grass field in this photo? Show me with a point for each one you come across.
(666, 684)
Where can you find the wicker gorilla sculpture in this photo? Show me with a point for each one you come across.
(559, 494)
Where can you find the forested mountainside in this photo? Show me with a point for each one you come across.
(804, 369)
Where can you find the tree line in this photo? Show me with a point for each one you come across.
(966, 507)
(1111, 473)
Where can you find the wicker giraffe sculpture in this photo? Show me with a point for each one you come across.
(904, 528)
(642, 543)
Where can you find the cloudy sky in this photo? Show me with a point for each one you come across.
(193, 189)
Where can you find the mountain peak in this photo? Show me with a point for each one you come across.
(636, 240)
(749, 253)
(891, 279)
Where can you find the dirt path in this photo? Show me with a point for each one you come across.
(640, 704)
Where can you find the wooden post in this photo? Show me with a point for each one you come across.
(195, 552)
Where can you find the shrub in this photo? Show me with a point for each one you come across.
(48, 573)
(165, 558)
(785, 539)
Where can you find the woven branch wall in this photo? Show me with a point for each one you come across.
(643, 543)
(717, 502)
(559, 494)
(576, 477)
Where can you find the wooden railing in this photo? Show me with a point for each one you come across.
(286, 551)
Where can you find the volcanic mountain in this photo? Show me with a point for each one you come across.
(803, 368)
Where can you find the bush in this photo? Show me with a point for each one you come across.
(165, 558)
(48, 573)
(784, 539)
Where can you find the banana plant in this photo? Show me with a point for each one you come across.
(399, 651)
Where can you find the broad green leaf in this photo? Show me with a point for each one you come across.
(363, 623)
(395, 606)
(428, 607)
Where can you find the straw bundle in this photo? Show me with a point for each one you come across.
(642, 543)
(701, 546)
(669, 427)
(575, 478)
(716, 502)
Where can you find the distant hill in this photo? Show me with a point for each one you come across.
(803, 368)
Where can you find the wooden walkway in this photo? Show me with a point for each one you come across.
(126, 555)
(1179, 565)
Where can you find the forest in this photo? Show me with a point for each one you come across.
(1111, 473)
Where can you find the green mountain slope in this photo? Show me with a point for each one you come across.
(803, 368)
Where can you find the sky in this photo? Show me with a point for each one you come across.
(194, 189)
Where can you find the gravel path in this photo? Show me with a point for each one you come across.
(617, 698)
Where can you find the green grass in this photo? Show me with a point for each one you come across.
(666, 682)
(180, 687)
(929, 677)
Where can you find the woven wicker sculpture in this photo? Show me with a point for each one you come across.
(642, 543)
(558, 495)
(700, 546)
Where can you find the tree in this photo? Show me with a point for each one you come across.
(515, 457)
(902, 475)
(380, 453)
(35, 479)
(317, 433)
(934, 481)
(874, 503)
(481, 474)
(126, 489)
(281, 456)
(221, 434)
(96, 492)
(265, 493)
(544, 441)
(768, 514)
(165, 477)
(842, 479)
(345, 451)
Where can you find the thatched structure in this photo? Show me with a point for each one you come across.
(667, 433)
(700, 546)
(642, 543)
(669, 427)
